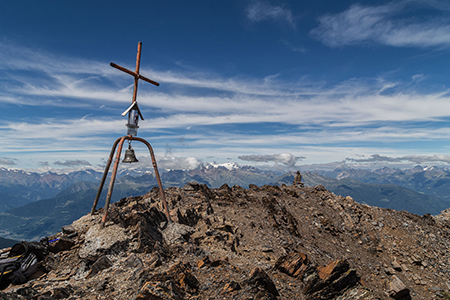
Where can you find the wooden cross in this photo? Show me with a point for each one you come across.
(135, 74)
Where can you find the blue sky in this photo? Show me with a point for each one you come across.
(268, 83)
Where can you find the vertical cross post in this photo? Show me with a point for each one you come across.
(136, 77)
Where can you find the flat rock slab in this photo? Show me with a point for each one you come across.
(398, 290)
(176, 233)
(98, 241)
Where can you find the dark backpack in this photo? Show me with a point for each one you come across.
(21, 263)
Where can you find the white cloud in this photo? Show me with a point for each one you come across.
(384, 24)
(292, 47)
(8, 161)
(15, 57)
(72, 163)
(287, 159)
(261, 11)
(62, 129)
(418, 159)
(179, 163)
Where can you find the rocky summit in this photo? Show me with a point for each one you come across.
(269, 242)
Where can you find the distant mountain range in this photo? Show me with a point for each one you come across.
(426, 180)
(18, 187)
(381, 195)
(27, 214)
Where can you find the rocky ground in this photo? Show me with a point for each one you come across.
(269, 242)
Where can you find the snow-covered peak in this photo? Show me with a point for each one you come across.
(431, 168)
(229, 166)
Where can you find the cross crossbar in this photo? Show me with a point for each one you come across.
(135, 74)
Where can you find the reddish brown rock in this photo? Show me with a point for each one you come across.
(230, 287)
(293, 264)
(330, 281)
(205, 261)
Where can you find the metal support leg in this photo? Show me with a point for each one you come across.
(113, 179)
(105, 174)
(158, 178)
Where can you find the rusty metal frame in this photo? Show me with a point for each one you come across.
(120, 142)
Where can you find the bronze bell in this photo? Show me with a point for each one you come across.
(129, 156)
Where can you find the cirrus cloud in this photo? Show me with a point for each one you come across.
(419, 159)
(385, 24)
(261, 11)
